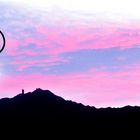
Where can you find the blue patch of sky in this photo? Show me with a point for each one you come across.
(79, 61)
(84, 60)
(7, 60)
(34, 69)
(10, 69)
(98, 58)
(34, 48)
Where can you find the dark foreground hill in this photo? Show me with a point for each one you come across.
(44, 106)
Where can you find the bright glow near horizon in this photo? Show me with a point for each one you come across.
(124, 7)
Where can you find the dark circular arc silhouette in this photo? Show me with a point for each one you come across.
(3, 45)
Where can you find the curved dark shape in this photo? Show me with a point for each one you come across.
(3, 46)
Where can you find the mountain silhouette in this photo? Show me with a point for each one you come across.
(44, 106)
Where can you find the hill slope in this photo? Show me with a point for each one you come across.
(42, 105)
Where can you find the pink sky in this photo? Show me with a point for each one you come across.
(95, 62)
(93, 87)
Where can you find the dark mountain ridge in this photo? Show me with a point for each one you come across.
(42, 105)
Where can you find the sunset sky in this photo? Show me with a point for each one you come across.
(87, 51)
